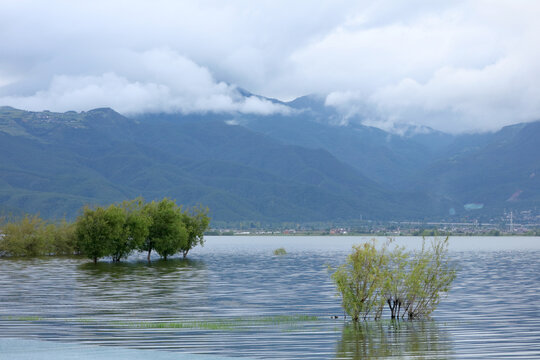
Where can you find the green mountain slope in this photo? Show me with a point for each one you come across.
(297, 168)
(385, 158)
(100, 156)
(501, 172)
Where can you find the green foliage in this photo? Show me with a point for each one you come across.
(430, 274)
(360, 280)
(114, 231)
(62, 238)
(96, 230)
(280, 251)
(196, 222)
(32, 236)
(167, 233)
(410, 284)
(135, 223)
(25, 238)
(395, 276)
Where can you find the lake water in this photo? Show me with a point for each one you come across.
(234, 298)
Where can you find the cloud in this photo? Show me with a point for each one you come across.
(455, 66)
(155, 81)
(464, 69)
(472, 99)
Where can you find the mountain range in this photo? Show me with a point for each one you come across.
(304, 166)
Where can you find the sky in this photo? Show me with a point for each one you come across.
(455, 66)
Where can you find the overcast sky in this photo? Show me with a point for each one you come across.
(457, 66)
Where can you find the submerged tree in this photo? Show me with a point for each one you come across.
(96, 231)
(24, 237)
(134, 231)
(430, 274)
(114, 231)
(167, 233)
(33, 236)
(410, 284)
(63, 240)
(196, 223)
(360, 280)
(395, 275)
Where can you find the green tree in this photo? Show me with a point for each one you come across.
(32, 236)
(359, 281)
(97, 230)
(167, 233)
(411, 284)
(25, 237)
(59, 238)
(395, 275)
(430, 274)
(196, 223)
(134, 228)
(65, 241)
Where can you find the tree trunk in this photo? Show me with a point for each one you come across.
(148, 257)
(392, 306)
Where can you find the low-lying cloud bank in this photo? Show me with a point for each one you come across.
(163, 82)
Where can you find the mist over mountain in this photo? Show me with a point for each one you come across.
(301, 165)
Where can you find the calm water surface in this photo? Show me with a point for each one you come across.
(234, 298)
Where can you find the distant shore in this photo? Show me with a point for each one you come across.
(389, 234)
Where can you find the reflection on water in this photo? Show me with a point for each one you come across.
(141, 289)
(417, 339)
(230, 297)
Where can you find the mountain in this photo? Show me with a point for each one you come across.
(466, 174)
(494, 171)
(386, 158)
(56, 162)
(306, 166)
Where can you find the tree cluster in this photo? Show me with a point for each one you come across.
(33, 236)
(160, 226)
(114, 231)
(410, 284)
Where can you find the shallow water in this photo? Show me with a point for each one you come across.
(234, 298)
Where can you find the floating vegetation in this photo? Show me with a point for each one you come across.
(24, 318)
(224, 324)
(290, 322)
(280, 251)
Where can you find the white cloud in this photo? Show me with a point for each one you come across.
(455, 66)
(465, 69)
(156, 81)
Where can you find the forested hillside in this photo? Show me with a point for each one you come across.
(288, 168)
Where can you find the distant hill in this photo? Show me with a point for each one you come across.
(302, 167)
(501, 171)
(54, 163)
(449, 173)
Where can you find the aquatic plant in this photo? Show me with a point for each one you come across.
(280, 251)
(214, 324)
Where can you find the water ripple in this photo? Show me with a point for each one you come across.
(235, 302)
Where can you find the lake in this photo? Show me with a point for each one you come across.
(234, 298)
